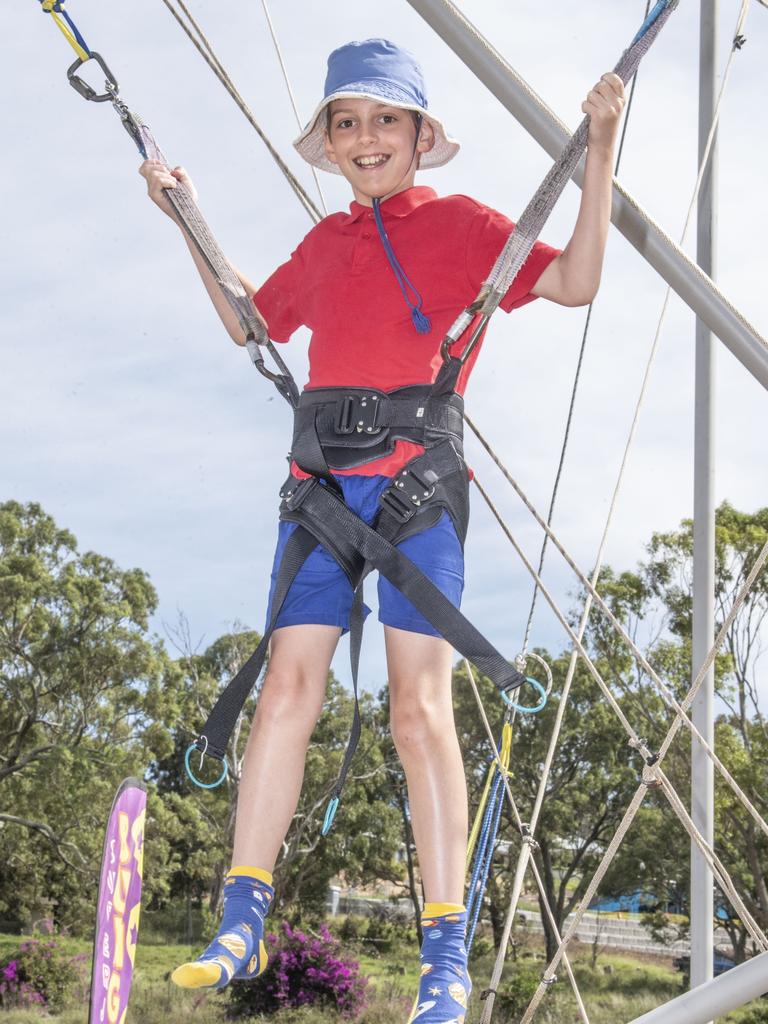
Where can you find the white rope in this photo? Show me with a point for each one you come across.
(665, 691)
(284, 69)
(197, 37)
(639, 796)
(719, 872)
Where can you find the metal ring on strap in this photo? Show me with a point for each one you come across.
(522, 660)
(194, 778)
(520, 664)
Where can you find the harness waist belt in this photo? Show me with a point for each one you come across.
(358, 425)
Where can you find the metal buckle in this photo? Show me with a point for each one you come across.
(358, 413)
(406, 494)
(397, 505)
(296, 496)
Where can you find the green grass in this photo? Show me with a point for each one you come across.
(619, 989)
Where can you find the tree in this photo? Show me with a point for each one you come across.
(662, 589)
(79, 682)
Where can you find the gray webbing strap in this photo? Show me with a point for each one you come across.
(193, 222)
(528, 228)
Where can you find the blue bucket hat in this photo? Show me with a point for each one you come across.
(374, 69)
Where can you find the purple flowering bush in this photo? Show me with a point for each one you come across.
(39, 974)
(303, 970)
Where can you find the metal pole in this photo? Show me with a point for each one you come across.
(681, 273)
(702, 771)
(715, 998)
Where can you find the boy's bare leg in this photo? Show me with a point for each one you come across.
(289, 705)
(273, 768)
(424, 734)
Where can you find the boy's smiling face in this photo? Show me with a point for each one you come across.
(375, 146)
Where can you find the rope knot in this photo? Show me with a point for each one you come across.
(650, 777)
(527, 837)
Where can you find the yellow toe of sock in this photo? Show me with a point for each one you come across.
(197, 974)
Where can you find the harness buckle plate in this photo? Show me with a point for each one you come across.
(358, 413)
(407, 493)
(294, 492)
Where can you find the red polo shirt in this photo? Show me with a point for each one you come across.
(339, 283)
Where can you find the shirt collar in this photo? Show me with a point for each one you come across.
(398, 205)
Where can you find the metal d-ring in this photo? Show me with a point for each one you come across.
(522, 708)
(520, 663)
(191, 774)
(522, 659)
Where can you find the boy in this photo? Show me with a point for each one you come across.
(377, 323)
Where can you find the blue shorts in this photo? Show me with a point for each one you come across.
(321, 594)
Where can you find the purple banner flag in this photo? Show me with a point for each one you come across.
(119, 906)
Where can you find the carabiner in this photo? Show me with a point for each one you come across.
(80, 85)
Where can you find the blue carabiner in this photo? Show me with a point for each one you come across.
(521, 707)
(330, 814)
(193, 777)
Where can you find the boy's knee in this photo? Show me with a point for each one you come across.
(290, 695)
(418, 724)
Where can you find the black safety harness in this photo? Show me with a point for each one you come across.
(342, 428)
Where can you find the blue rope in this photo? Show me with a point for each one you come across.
(484, 857)
(421, 321)
(58, 9)
(499, 801)
(484, 851)
(482, 842)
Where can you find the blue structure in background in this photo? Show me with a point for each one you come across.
(638, 902)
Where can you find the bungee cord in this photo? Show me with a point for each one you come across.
(526, 849)
(575, 387)
(526, 838)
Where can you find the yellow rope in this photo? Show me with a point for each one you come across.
(49, 8)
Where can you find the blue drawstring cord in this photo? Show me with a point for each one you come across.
(421, 321)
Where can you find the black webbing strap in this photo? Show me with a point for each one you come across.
(222, 719)
(317, 505)
(320, 513)
(356, 623)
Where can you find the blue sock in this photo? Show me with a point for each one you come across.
(445, 984)
(238, 949)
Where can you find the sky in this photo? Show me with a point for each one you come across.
(132, 418)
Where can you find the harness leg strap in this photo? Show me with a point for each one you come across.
(320, 506)
(221, 721)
